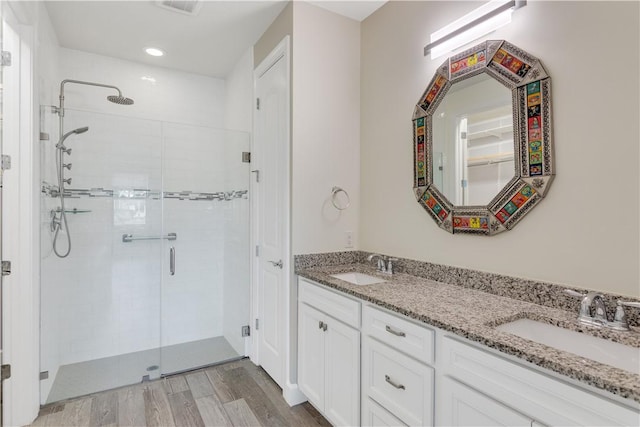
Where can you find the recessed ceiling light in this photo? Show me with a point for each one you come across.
(154, 51)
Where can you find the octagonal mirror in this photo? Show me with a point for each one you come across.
(482, 139)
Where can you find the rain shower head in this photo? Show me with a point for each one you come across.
(116, 99)
(119, 99)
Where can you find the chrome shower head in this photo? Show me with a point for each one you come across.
(116, 99)
(80, 130)
(60, 143)
(119, 99)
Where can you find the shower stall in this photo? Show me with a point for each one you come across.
(144, 249)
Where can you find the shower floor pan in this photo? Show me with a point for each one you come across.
(79, 379)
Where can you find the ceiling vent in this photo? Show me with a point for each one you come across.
(189, 7)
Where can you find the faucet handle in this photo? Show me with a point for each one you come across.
(584, 304)
(629, 303)
(574, 293)
(390, 262)
(620, 319)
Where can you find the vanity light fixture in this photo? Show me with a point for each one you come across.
(153, 51)
(475, 24)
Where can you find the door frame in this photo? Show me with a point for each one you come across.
(289, 388)
(21, 240)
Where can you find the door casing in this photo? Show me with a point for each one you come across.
(289, 316)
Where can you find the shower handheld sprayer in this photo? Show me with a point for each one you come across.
(58, 222)
(59, 216)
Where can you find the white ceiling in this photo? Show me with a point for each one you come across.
(354, 9)
(209, 43)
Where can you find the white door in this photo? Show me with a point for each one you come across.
(271, 211)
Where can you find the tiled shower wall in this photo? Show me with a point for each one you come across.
(109, 297)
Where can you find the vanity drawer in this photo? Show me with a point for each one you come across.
(343, 308)
(398, 383)
(374, 415)
(401, 334)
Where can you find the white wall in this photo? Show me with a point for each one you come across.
(326, 128)
(239, 95)
(586, 231)
(173, 96)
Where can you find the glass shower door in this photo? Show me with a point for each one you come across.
(157, 279)
(205, 288)
(100, 305)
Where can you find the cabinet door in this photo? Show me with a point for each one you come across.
(463, 406)
(311, 350)
(342, 374)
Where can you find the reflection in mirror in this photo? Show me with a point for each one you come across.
(473, 144)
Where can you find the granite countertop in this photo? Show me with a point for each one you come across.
(474, 314)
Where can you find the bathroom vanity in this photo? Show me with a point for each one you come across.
(413, 351)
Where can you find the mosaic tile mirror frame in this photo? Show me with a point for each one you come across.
(530, 87)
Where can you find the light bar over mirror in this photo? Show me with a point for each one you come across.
(475, 24)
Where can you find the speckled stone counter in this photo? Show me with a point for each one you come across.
(474, 314)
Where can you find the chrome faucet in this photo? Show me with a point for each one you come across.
(599, 317)
(385, 264)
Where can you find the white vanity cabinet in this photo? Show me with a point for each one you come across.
(480, 382)
(414, 374)
(396, 374)
(329, 353)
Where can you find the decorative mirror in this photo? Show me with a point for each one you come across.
(483, 152)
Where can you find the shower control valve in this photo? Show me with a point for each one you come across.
(67, 165)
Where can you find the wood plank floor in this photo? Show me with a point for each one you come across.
(232, 394)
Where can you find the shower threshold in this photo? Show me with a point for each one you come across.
(82, 378)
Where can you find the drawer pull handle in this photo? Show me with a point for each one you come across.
(388, 379)
(394, 332)
(322, 325)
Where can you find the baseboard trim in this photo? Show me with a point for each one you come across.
(292, 395)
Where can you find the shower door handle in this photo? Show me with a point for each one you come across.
(172, 261)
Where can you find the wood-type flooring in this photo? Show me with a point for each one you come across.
(232, 394)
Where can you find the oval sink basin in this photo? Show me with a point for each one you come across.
(358, 278)
(601, 350)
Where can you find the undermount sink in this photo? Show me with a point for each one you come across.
(358, 278)
(601, 350)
